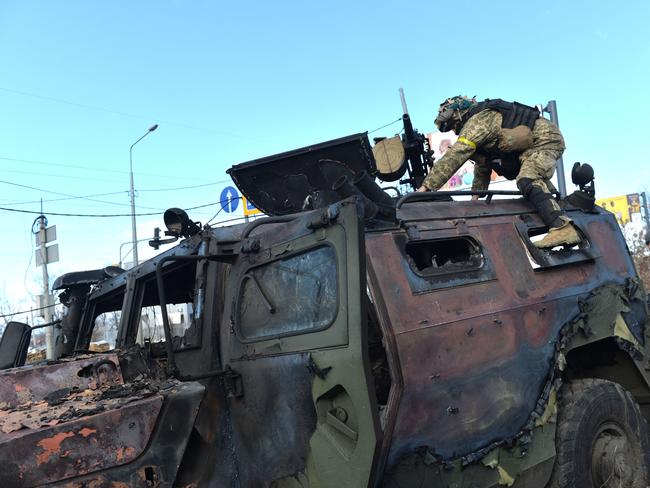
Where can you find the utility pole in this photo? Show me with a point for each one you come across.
(46, 254)
(551, 109)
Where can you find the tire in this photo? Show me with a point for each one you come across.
(601, 439)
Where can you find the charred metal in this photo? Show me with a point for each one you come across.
(350, 339)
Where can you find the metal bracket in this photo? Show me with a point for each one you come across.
(325, 217)
(232, 383)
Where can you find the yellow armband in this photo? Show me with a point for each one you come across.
(468, 142)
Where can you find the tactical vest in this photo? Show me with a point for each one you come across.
(514, 114)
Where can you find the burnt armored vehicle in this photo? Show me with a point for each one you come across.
(348, 340)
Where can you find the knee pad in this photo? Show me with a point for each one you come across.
(542, 200)
(525, 185)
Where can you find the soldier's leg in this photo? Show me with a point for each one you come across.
(537, 168)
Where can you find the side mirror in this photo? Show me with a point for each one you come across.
(14, 345)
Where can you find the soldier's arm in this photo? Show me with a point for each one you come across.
(448, 164)
(477, 130)
(482, 174)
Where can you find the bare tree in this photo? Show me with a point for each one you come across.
(641, 255)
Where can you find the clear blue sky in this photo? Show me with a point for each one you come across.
(232, 81)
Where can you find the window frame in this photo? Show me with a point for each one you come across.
(90, 314)
(425, 283)
(283, 257)
(141, 283)
(550, 260)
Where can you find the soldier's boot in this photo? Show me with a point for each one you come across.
(566, 235)
(561, 230)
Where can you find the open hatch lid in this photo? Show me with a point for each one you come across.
(279, 184)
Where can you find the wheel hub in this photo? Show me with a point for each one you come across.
(612, 458)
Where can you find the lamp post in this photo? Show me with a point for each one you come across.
(133, 231)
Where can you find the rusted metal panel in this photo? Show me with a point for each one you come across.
(158, 465)
(426, 211)
(33, 383)
(80, 446)
(475, 360)
(481, 390)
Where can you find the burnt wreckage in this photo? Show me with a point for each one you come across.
(349, 339)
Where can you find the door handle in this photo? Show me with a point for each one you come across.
(333, 421)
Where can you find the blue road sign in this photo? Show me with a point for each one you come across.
(229, 199)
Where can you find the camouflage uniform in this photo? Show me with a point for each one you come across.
(479, 139)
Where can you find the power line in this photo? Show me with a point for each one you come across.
(90, 168)
(28, 311)
(123, 114)
(68, 198)
(64, 194)
(6, 209)
(188, 187)
(67, 177)
(77, 215)
(383, 126)
(110, 193)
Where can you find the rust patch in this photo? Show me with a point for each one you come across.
(51, 446)
(86, 431)
(123, 452)
(23, 395)
(33, 383)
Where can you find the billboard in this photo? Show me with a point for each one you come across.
(626, 208)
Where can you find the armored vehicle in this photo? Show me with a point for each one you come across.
(350, 339)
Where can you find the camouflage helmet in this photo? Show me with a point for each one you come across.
(452, 110)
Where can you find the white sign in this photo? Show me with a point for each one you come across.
(51, 252)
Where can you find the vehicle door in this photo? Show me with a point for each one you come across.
(303, 411)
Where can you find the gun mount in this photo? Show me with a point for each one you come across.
(318, 175)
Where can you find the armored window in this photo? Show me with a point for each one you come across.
(288, 296)
(541, 259)
(444, 256)
(445, 262)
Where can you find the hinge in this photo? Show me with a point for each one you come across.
(232, 383)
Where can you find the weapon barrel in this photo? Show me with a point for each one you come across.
(409, 133)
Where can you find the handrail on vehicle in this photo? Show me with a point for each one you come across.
(435, 195)
(268, 220)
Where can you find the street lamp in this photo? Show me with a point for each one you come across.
(133, 232)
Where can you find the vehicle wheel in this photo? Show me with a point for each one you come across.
(601, 438)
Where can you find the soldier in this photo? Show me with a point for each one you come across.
(515, 141)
